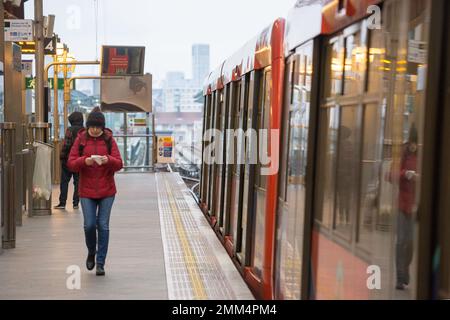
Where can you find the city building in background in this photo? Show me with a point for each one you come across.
(200, 63)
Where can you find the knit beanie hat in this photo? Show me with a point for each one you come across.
(96, 119)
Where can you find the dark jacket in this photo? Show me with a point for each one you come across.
(76, 122)
(96, 182)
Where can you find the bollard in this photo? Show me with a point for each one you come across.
(38, 132)
(8, 196)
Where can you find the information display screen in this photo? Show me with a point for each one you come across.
(122, 60)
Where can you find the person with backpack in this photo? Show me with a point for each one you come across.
(76, 124)
(96, 157)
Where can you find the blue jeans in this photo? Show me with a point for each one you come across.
(94, 222)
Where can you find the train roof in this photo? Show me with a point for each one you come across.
(311, 18)
(304, 22)
(254, 55)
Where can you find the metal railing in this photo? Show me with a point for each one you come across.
(140, 156)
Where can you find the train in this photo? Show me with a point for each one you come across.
(345, 105)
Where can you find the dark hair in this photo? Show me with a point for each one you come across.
(96, 119)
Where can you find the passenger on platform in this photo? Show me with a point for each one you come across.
(407, 209)
(76, 124)
(96, 157)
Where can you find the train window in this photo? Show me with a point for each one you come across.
(264, 124)
(347, 171)
(377, 62)
(371, 159)
(335, 53)
(236, 115)
(326, 179)
(295, 137)
(355, 64)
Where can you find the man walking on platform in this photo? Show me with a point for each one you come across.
(77, 123)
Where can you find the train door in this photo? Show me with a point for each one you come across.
(236, 196)
(238, 173)
(205, 166)
(220, 172)
(260, 186)
(291, 215)
(212, 126)
(245, 253)
(223, 214)
(369, 157)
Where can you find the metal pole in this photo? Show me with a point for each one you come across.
(125, 142)
(8, 152)
(147, 140)
(154, 142)
(56, 103)
(66, 94)
(56, 133)
(39, 40)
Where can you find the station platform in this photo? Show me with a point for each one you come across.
(161, 247)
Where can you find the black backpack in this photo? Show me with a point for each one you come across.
(69, 140)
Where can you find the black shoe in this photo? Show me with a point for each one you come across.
(76, 207)
(100, 271)
(60, 206)
(90, 262)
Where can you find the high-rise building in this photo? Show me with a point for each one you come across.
(200, 63)
(179, 94)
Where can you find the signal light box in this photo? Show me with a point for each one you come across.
(123, 61)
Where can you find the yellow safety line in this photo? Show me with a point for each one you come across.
(189, 257)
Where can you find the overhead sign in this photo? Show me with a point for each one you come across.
(166, 147)
(122, 60)
(19, 30)
(127, 94)
(30, 84)
(27, 68)
(29, 47)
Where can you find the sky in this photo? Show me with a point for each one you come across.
(167, 28)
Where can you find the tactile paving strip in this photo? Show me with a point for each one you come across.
(192, 269)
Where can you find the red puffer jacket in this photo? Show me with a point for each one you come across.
(96, 182)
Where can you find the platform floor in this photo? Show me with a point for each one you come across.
(182, 260)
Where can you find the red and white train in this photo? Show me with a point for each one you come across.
(359, 91)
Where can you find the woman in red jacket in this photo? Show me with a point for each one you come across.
(407, 208)
(96, 157)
